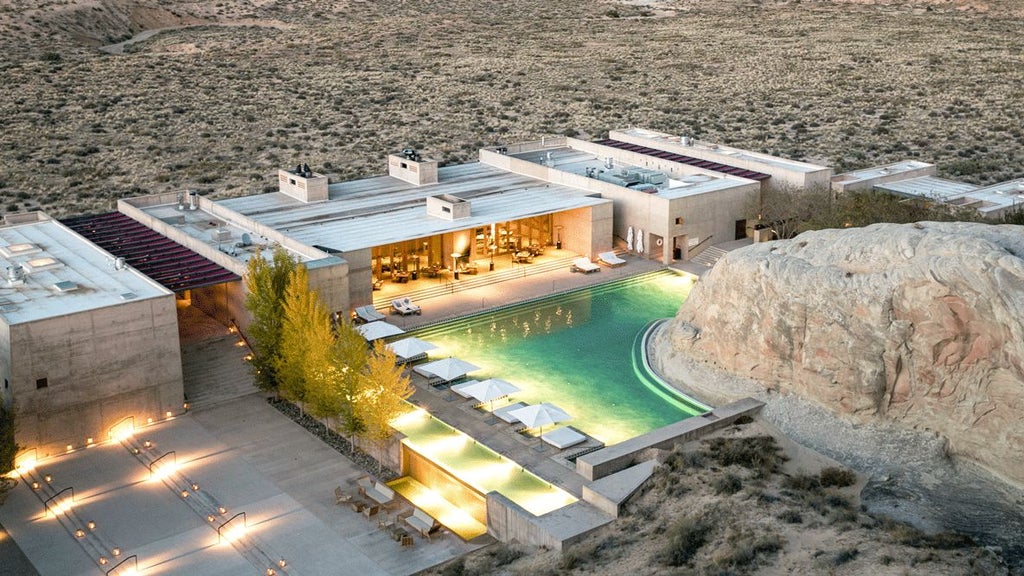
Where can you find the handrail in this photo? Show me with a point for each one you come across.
(238, 330)
(691, 252)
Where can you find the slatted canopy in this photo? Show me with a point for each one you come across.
(672, 157)
(165, 261)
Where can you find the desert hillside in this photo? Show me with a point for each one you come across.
(249, 86)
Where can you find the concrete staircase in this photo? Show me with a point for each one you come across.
(215, 371)
(467, 281)
(709, 256)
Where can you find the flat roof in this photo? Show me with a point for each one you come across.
(997, 196)
(375, 211)
(578, 162)
(927, 187)
(63, 274)
(689, 160)
(879, 171)
(750, 155)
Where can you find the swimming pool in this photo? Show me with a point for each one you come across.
(576, 351)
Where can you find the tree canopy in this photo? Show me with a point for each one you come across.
(265, 283)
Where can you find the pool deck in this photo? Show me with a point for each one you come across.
(252, 458)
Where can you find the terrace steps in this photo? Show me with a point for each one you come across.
(215, 371)
(710, 256)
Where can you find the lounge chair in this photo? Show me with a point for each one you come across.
(610, 259)
(563, 438)
(503, 412)
(368, 313)
(584, 265)
(404, 306)
(423, 523)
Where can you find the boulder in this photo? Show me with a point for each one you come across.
(919, 324)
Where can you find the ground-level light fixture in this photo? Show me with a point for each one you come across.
(91, 525)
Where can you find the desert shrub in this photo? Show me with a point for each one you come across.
(758, 453)
(743, 420)
(456, 568)
(838, 477)
(571, 559)
(685, 538)
(727, 484)
(802, 483)
(504, 554)
(743, 549)
(910, 536)
(791, 516)
(843, 556)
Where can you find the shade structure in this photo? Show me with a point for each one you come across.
(629, 238)
(540, 415)
(379, 329)
(410, 347)
(447, 369)
(490, 390)
(640, 241)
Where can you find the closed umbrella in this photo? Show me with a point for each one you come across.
(640, 241)
(629, 238)
(411, 347)
(377, 330)
(490, 390)
(540, 415)
(447, 369)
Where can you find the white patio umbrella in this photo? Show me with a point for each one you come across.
(410, 347)
(490, 390)
(377, 330)
(629, 238)
(540, 415)
(447, 369)
(640, 241)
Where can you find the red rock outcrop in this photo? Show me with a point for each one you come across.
(920, 324)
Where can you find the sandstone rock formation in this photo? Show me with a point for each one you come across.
(920, 324)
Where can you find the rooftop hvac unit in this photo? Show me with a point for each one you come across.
(15, 274)
(221, 235)
(686, 141)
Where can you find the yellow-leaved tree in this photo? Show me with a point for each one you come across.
(349, 356)
(382, 399)
(265, 284)
(306, 339)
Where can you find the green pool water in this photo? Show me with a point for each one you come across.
(578, 351)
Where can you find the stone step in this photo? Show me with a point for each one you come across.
(215, 371)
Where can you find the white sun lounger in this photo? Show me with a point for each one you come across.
(584, 265)
(563, 438)
(368, 314)
(503, 412)
(405, 307)
(610, 259)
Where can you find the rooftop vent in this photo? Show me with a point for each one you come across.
(221, 235)
(129, 296)
(15, 275)
(120, 263)
(65, 286)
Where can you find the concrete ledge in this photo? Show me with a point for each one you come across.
(608, 493)
(625, 454)
(557, 529)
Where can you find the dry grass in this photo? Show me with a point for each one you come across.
(338, 85)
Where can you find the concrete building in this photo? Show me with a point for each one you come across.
(912, 179)
(85, 341)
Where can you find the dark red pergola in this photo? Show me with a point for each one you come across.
(165, 261)
(672, 157)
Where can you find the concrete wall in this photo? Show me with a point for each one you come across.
(625, 454)
(558, 529)
(312, 189)
(412, 171)
(101, 366)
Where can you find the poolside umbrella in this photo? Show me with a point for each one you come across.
(377, 330)
(410, 347)
(490, 390)
(629, 238)
(540, 415)
(447, 369)
(640, 241)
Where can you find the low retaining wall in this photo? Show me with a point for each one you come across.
(558, 529)
(625, 454)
